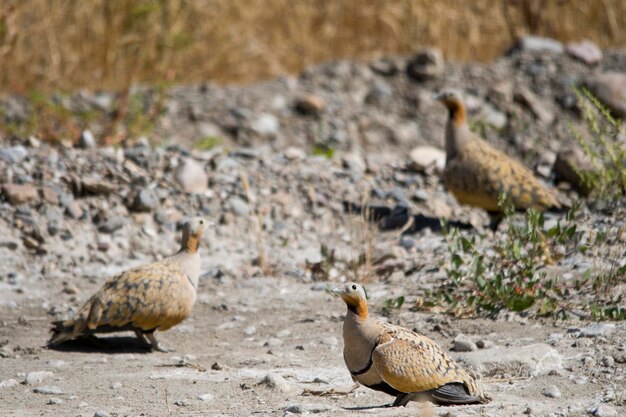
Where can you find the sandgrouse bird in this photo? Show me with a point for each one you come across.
(476, 173)
(152, 297)
(399, 362)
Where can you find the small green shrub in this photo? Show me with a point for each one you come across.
(606, 153)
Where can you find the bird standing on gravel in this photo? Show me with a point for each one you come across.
(152, 297)
(477, 174)
(399, 362)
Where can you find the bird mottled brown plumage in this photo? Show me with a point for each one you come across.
(152, 297)
(399, 362)
(476, 173)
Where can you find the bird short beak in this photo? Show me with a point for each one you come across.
(436, 96)
(338, 292)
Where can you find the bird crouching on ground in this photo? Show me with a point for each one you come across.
(398, 361)
(152, 297)
(477, 174)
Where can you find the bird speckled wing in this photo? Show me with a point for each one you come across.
(399, 362)
(136, 298)
(152, 297)
(477, 173)
(412, 363)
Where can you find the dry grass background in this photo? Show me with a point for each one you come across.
(109, 44)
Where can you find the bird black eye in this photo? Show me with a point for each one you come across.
(354, 287)
(201, 221)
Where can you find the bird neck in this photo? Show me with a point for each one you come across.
(457, 131)
(358, 308)
(457, 113)
(190, 243)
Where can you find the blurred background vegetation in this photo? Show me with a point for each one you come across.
(110, 44)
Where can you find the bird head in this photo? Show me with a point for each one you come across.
(449, 98)
(192, 232)
(454, 103)
(353, 295)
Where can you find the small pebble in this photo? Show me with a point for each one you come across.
(55, 400)
(34, 378)
(116, 385)
(463, 343)
(101, 413)
(552, 392)
(608, 361)
(48, 390)
(205, 397)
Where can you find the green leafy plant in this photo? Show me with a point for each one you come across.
(509, 275)
(606, 152)
(391, 304)
(207, 143)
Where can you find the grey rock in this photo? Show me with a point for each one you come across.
(191, 177)
(310, 105)
(424, 157)
(34, 378)
(266, 124)
(273, 342)
(329, 341)
(536, 106)
(407, 242)
(295, 409)
(354, 163)
(608, 361)
(112, 224)
(14, 154)
(426, 65)
(74, 210)
(532, 360)
(249, 331)
(145, 200)
(19, 193)
(585, 51)
(54, 400)
(101, 413)
(379, 92)
(8, 383)
(552, 392)
(462, 343)
(97, 186)
(597, 330)
(283, 333)
(238, 206)
(205, 397)
(50, 195)
(484, 344)
(294, 154)
(86, 140)
(603, 411)
(539, 44)
(277, 382)
(48, 390)
(493, 117)
(609, 88)
(116, 385)
(384, 66)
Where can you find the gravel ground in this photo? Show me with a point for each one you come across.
(265, 337)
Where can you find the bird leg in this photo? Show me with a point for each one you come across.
(401, 400)
(155, 343)
(142, 338)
